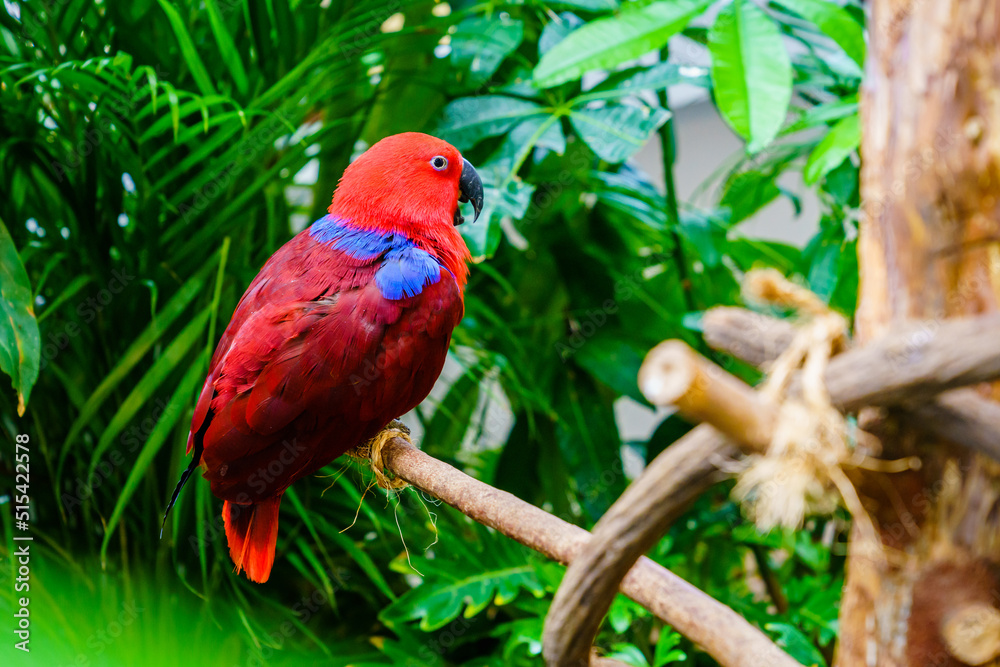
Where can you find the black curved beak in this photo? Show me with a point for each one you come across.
(471, 189)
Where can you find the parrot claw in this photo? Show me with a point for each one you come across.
(371, 451)
(397, 425)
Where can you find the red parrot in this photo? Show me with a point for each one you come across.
(345, 328)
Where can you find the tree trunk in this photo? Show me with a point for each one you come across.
(929, 248)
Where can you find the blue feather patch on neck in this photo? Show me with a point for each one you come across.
(361, 244)
(405, 269)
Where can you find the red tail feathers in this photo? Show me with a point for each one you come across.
(252, 531)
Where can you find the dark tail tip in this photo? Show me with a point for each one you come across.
(199, 445)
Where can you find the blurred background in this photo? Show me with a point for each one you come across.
(638, 159)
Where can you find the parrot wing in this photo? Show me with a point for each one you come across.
(324, 346)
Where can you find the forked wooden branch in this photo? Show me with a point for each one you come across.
(959, 415)
(906, 367)
(672, 374)
(723, 633)
(912, 365)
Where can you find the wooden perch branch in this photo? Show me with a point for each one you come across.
(912, 365)
(674, 374)
(732, 412)
(723, 633)
(915, 364)
(959, 415)
(972, 633)
(626, 531)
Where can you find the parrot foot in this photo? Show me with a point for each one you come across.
(397, 425)
(372, 451)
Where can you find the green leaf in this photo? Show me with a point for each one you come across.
(481, 44)
(437, 603)
(666, 648)
(824, 114)
(556, 31)
(632, 81)
(835, 22)
(613, 361)
(158, 436)
(469, 120)
(796, 644)
(145, 388)
(20, 343)
(135, 352)
(628, 654)
(227, 48)
(609, 42)
(587, 5)
(842, 140)
(706, 235)
(751, 72)
(188, 49)
(504, 194)
(616, 132)
(747, 193)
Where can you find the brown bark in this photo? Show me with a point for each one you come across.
(929, 248)
(959, 415)
(720, 631)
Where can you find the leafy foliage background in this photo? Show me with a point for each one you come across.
(154, 153)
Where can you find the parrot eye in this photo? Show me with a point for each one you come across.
(439, 162)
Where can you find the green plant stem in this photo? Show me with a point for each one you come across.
(668, 148)
(771, 581)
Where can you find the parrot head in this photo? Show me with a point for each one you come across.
(411, 183)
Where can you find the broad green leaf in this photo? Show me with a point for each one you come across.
(842, 140)
(469, 120)
(536, 131)
(437, 603)
(795, 643)
(751, 72)
(706, 234)
(657, 77)
(616, 132)
(556, 31)
(748, 192)
(613, 361)
(835, 22)
(609, 42)
(481, 44)
(587, 5)
(20, 344)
